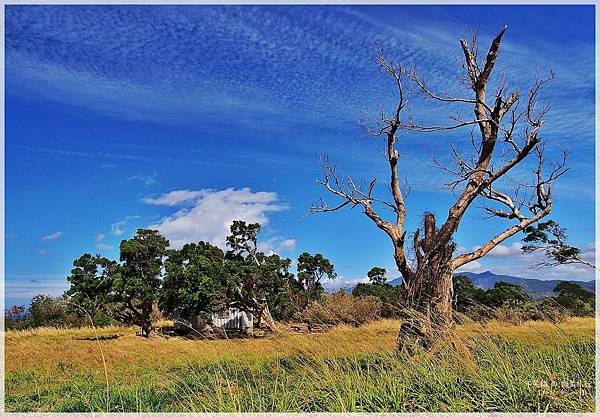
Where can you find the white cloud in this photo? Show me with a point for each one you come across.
(276, 245)
(210, 216)
(118, 228)
(174, 198)
(461, 250)
(287, 245)
(144, 179)
(103, 246)
(503, 251)
(100, 237)
(589, 253)
(470, 267)
(52, 236)
(343, 282)
(41, 252)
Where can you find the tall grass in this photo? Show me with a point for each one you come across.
(536, 367)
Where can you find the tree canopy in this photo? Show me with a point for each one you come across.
(312, 269)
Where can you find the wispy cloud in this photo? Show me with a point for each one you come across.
(26, 286)
(277, 245)
(287, 245)
(52, 236)
(144, 179)
(119, 228)
(174, 198)
(268, 63)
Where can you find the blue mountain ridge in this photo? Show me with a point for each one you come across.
(537, 288)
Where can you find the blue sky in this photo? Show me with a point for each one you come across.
(185, 117)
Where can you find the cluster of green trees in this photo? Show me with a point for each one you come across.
(201, 279)
(572, 300)
(197, 280)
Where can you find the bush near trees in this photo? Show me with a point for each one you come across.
(15, 318)
(342, 308)
(389, 295)
(48, 311)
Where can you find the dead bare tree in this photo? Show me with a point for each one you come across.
(509, 132)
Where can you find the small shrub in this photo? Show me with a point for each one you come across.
(341, 308)
(551, 310)
(16, 318)
(47, 311)
(517, 312)
(391, 296)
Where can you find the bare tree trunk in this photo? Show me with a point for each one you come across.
(266, 314)
(259, 317)
(439, 307)
(146, 321)
(429, 316)
(429, 288)
(146, 328)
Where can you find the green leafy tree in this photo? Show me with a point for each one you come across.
(377, 275)
(550, 239)
(312, 269)
(91, 282)
(466, 294)
(506, 292)
(137, 283)
(280, 283)
(194, 281)
(576, 299)
(243, 240)
(255, 280)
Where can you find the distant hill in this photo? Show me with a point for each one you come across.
(537, 288)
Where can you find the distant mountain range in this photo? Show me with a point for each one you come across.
(537, 288)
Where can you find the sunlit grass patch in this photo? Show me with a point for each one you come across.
(533, 367)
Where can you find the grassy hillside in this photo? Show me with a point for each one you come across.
(534, 367)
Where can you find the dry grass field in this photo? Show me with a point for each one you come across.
(537, 366)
